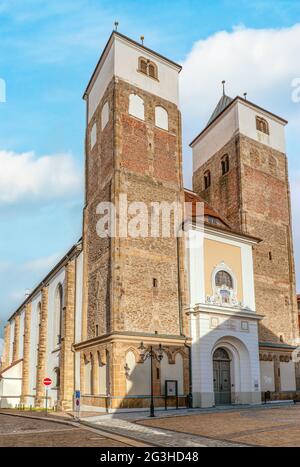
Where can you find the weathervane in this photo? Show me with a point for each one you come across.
(245, 95)
(116, 25)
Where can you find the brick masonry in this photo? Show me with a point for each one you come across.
(254, 196)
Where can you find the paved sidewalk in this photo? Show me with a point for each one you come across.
(153, 436)
(174, 428)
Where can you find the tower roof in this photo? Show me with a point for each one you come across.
(224, 102)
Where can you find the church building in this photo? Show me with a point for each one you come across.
(214, 302)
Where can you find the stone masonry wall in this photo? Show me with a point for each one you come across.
(134, 157)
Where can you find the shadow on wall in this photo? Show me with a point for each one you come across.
(280, 375)
(134, 379)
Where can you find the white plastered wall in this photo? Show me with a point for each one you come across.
(240, 117)
(138, 379)
(172, 371)
(122, 61)
(267, 376)
(287, 376)
(11, 386)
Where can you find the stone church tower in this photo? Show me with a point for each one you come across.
(133, 287)
(240, 168)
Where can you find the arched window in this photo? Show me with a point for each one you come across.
(59, 314)
(148, 68)
(262, 125)
(152, 69)
(207, 179)
(38, 321)
(225, 164)
(224, 278)
(143, 65)
(104, 115)
(221, 354)
(161, 118)
(136, 106)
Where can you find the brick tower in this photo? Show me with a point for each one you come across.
(240, 168)
(133, 287)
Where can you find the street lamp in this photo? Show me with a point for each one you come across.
(150, 353)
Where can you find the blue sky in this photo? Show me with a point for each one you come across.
(48, 50)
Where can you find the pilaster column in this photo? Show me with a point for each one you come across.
(42, 350)
(5, 357)
(95, 373)
(277, 374)
(16, 345)
(26, 353)
(67, 355)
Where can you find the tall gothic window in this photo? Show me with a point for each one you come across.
(59, 314)
(57, 377)
(225, 164)
(262, 125)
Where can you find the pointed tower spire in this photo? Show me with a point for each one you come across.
(224, 102)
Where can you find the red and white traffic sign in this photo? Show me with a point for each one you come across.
(47, 381)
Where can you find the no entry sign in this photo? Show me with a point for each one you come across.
(47, 381)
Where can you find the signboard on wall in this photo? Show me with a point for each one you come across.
(171, 391)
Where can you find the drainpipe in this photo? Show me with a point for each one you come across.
(190, 395)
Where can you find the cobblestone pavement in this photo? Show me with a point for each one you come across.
(154, 435)
(27, 432)
(272, 427)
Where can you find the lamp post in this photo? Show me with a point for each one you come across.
(150, 353)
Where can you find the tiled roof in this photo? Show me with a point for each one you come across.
(211, 217)
(191, 197)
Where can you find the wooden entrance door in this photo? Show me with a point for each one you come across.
(222, 384)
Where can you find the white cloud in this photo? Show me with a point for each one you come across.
(259, 61)
(25, 177)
